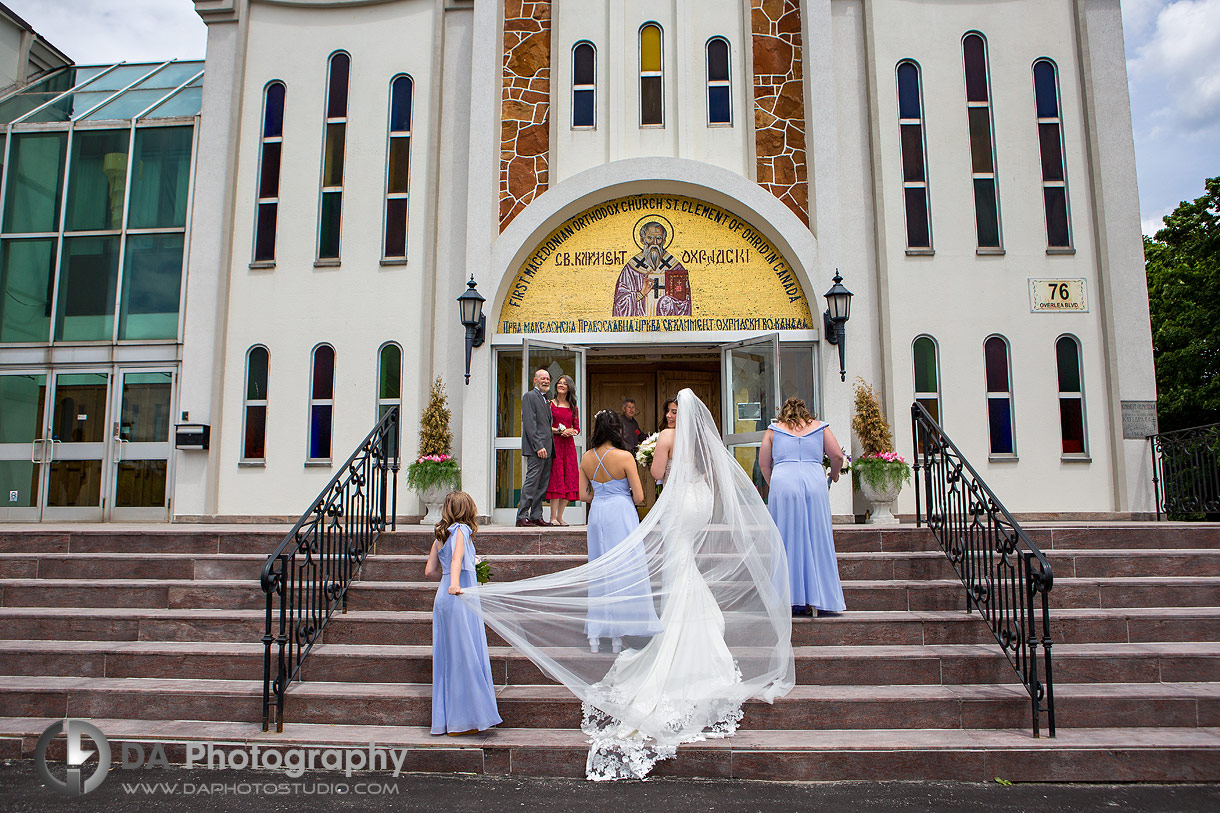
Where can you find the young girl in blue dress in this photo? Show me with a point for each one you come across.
(463, 696)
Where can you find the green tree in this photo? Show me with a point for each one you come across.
(1182, 263)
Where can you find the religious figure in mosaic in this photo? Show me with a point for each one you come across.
(653, 282)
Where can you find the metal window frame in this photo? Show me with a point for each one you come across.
(1009, 396)
(1084, 415)
(650, 74)
(247, 402)
(313, 359)
(391, 135)
(711, 83)
(923, 137)
(585, 87)
(328, 120)
(994, 175)
(263, 141)
(1063, 169)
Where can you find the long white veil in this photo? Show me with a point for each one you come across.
(710, 562)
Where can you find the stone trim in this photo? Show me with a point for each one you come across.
(525, 106)
(779, 103)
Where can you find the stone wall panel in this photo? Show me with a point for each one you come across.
(525, 105)
(779, 103)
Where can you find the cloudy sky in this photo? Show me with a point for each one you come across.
(1173, 71)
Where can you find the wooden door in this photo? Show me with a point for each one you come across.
(608, 389)
(705, 385)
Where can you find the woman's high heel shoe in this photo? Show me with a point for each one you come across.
(616, 645)
(594, 645)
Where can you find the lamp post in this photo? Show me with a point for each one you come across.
(838, 311)
(470, 306)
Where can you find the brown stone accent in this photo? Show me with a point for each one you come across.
(525, 106)
(779, 103)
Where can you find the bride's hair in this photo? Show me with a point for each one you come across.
(459, 507)
(607, 429)
(663, 424)
(795, 413)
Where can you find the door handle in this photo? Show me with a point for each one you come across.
(50, 458)
(36, 451)
(118, 449)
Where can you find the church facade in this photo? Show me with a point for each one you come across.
(653, 196)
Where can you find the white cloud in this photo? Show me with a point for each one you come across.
(1137, 16)
(1151, 225)
(98, 31)
(1180, 54)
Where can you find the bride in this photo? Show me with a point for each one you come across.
(717, 574)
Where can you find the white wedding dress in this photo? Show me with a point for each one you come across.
(718, 576)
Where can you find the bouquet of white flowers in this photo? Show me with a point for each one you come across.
(643, 455)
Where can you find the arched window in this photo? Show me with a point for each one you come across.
(321, 402)
(269, 173)
(927, 375)
(584, 85)
(1000, 421)
(719, 83)
(1071, 396)
(331, 210)
(389, 387)
(254, 412)
(398, 169)
(1050, 144)
(982, 145)
(652, 76)
(914, 159)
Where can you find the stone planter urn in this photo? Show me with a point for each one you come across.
(882, 500)
(433, 498)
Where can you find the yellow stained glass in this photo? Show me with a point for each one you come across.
(650, 48)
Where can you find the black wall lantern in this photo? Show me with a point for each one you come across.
(470, 305)
(838, 311)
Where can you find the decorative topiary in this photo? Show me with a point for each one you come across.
(878, 466)
(435, 466)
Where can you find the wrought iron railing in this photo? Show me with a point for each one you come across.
(1007, 579)
(1186, 472)
(307, 577)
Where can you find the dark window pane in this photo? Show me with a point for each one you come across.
(144, 416)
(925, 365)
(332, 171)
(328, 237)
(1067, 359)
(336, 97)
(986, 213)
(391, 372)
(650, 100)
(912, 152)
(975, 53)
(1056, 217)
(273, 115)
(160, 177)
(583, 111)
(396, 227)
(908, 91)
(88, 279)
(995, 355)
(152, 282)
(264, 237)
(400, 164)
(35, 180)
(27, 280)
(1071, 424)
(583, 64)
(980, 139)
(324, 372)
(256, 432)
(1046, 90)
(98, 181)
(269, 180)
(933, 407)
(400, 104)
(1052, 155)
(256, 374)
(999, 419)
(718, 105)
(717, 60)
(141, 483)
(918, 235)
(319, 431)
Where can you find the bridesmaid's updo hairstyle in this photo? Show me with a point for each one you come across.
(795, 413)
(459, 507)
(607, 428)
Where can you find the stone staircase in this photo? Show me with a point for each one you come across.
(154, 634)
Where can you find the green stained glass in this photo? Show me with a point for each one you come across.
(391, 368)
(98, 180)
(35, 182)
(925, 365)
(160, 177)
(88, 274)
(152, 284)
(26, 276)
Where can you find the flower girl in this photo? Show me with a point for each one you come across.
(463, 697)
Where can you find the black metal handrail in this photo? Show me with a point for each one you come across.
(307, 577)
(1007, 579)
(1186, 472)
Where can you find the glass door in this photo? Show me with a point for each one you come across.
(23, 406)
(74, 448)
(751, 386)
(559, 359)
(140, 444)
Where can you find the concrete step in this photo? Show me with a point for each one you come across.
(1177, 705)
(1182, 662)
(1075, 755)
(853, 628)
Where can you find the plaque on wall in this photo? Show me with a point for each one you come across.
(1057, 296)
(1139, 419)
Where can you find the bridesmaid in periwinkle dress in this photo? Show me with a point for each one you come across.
(799, 502)
(620, 605)
(463, 696)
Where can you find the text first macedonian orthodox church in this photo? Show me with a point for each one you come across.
(650, 195)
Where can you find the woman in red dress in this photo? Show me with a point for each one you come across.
(565, 426)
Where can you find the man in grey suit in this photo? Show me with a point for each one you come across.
(537, 446)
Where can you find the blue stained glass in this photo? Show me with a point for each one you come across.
(583, 108)
(400, 104)
(319, 431)
(718, 105)
(999, 418)
(273, 116)
(908, 91)
(1046, 90)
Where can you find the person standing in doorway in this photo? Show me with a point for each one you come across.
(565, 426)
(537, 446)
(632, 434)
